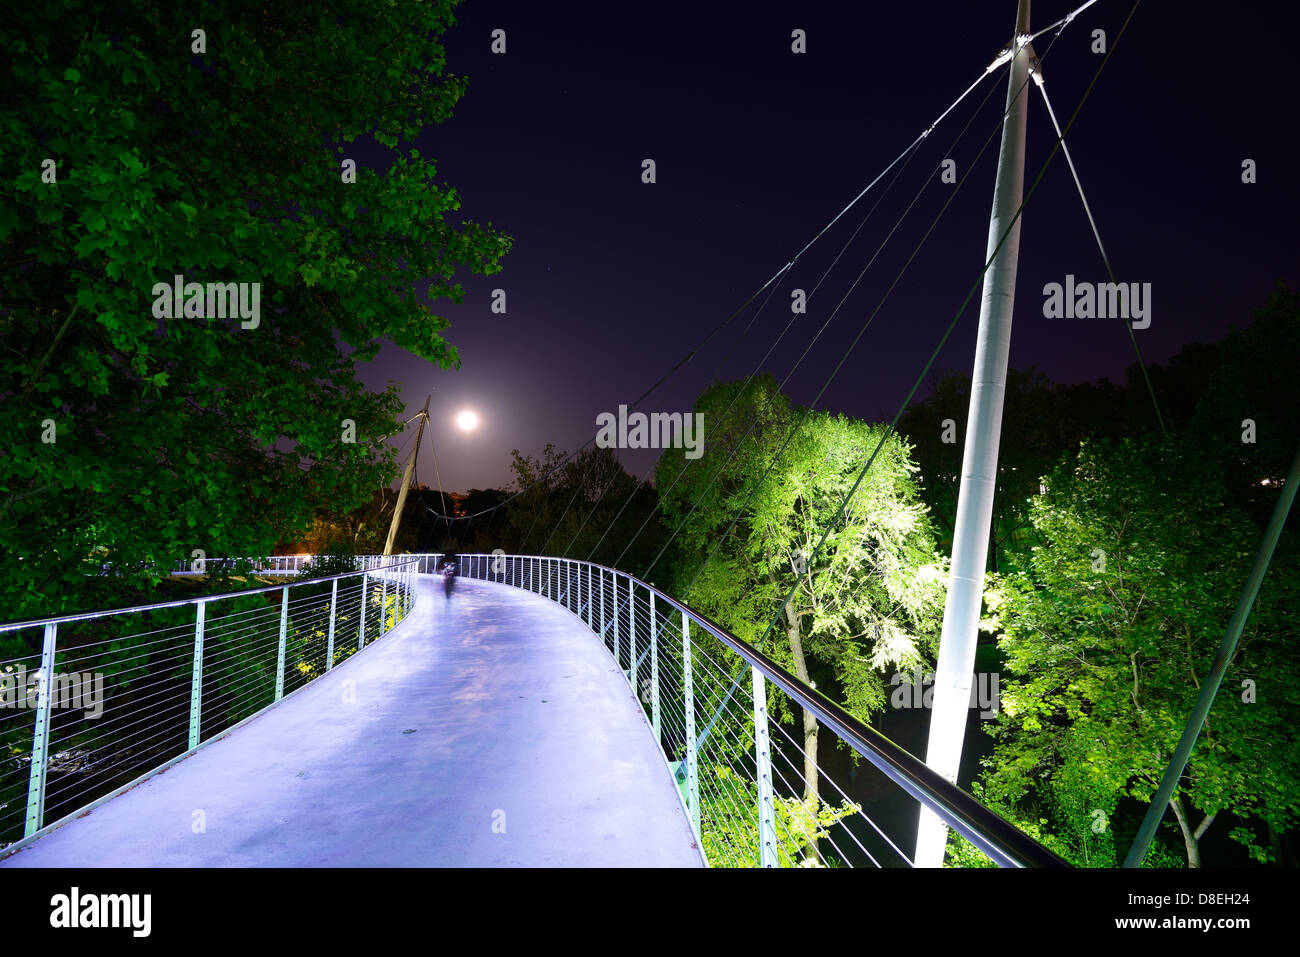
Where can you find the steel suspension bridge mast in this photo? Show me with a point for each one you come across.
(952, 683)
(406, 480)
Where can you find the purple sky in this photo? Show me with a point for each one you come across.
(612, 281)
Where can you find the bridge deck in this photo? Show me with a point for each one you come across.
(486, 710)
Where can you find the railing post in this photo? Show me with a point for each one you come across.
(365, 593)
(279, 655)
(631, 634)
(654, 671)
(688, 691)
(602, 604)
(383, 605)
(41, 733)
(613, 594)
(763, 767)
(329, 648)
(196, 675)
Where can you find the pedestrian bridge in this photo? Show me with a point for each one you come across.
(538, 712)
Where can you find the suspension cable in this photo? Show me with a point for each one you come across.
(925, 370)
(775, 276)
(952, 325)
(1042, 88)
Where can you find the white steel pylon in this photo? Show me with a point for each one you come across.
(952, 683)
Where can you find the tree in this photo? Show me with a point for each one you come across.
(588, 507)
(217, 158)
(868, 603)
(1245, 411)
(1039, 420)
(1108, 632)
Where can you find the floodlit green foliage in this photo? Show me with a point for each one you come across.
(1108, 633)
(730, 830)
(134, 439)
(866, 605)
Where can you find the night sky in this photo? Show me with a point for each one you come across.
(611, 281)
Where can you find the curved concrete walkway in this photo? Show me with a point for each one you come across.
(489, 729)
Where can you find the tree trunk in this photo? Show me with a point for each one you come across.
(810, 728)
(811, 800)
(1191, 839)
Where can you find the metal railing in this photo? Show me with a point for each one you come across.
(91, 703)
(135, 689)
(270, 565)
(754, 793)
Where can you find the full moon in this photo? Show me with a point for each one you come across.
(467, 421)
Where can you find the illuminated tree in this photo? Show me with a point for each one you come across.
(867, 604)
(1109, 631)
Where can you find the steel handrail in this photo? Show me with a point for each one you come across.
(1005, 844)
(182, 602)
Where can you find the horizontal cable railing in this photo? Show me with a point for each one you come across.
(757, 792)
(134, 689)
(92, 702)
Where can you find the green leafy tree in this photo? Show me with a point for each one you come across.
(588, 507)
(1108, 633)
(870, 601)
(731, 838)
(218, 158)
(1039, 420)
